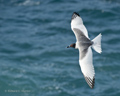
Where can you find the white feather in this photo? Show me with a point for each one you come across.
(78, 23)
(97, 43)
(86, 64)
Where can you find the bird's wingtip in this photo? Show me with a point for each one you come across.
(90, 82)
(75, 14)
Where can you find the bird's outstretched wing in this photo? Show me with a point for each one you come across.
(87, 68)
(76, 22)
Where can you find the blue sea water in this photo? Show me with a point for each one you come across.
(34, 60)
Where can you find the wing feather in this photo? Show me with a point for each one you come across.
(87, 67)
(77, 22)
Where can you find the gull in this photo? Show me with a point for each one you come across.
(84, 44)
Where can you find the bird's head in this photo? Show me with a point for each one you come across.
(72, 45)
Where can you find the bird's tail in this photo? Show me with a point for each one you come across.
(97, 43)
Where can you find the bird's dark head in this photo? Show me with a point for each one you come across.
(72, 45)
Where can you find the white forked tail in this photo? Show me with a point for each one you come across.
(97, 43)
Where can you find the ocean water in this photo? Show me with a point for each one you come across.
(34, 60)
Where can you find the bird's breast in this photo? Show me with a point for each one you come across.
(77, 45)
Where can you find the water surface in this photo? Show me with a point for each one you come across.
(33, 57)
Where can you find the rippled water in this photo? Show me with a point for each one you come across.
(33, 57)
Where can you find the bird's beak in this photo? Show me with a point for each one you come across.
(68, 47)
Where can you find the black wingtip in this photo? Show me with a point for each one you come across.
(90, 82)
(75, 14)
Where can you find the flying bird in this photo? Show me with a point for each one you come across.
(84, 44)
